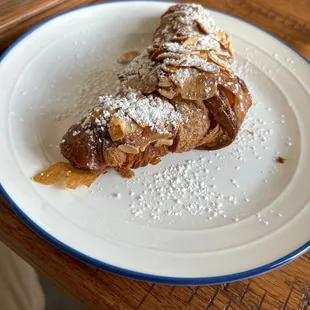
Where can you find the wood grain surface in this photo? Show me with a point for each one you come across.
(10, 6)
(285, 288)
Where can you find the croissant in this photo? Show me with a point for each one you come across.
(180, 94)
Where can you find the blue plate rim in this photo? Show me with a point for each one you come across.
(129, 273)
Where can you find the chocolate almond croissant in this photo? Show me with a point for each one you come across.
(180, 94)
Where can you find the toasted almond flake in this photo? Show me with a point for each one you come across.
(117, 128)
(165, 82)
(127, 57)
(191, 41)
(162, 142)
(199, 87)
(129, 149)
(155, 161)
(166, 93)
(156, 137)
(126, 173)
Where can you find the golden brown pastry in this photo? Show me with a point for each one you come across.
(179, 94)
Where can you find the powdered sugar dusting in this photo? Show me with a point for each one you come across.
(182, 75)
(190, 14)
(179, 189)
(196, 62)
(152, 111)
(141, 66)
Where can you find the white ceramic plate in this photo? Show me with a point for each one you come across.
(249, 214)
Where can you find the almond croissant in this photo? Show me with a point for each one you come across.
(180, 94)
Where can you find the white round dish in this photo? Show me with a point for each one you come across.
(255, 214)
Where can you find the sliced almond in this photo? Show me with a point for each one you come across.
(199, 87)
(155, 138)
(144, 146)
(169, 69)
(154, 53)
(169, 128)
(213, 56)
(133, 82)
(184, 31)
(127, 57)
(162, 142)
(132, 127)
(165, 82)
(166, 93)
(225, 41)
(155, 161)
(204, 55)
(220, 35)
(191, 41)
(129, 149)
(126, 173)
(149, 83)
(202, 26)
(117, 128)
(179, 39)
(171, 55)
(171, 62)
(229, 48)
(181, 75)
(160, 136)
(223, 37)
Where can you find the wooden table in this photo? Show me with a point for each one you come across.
(286, 288)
